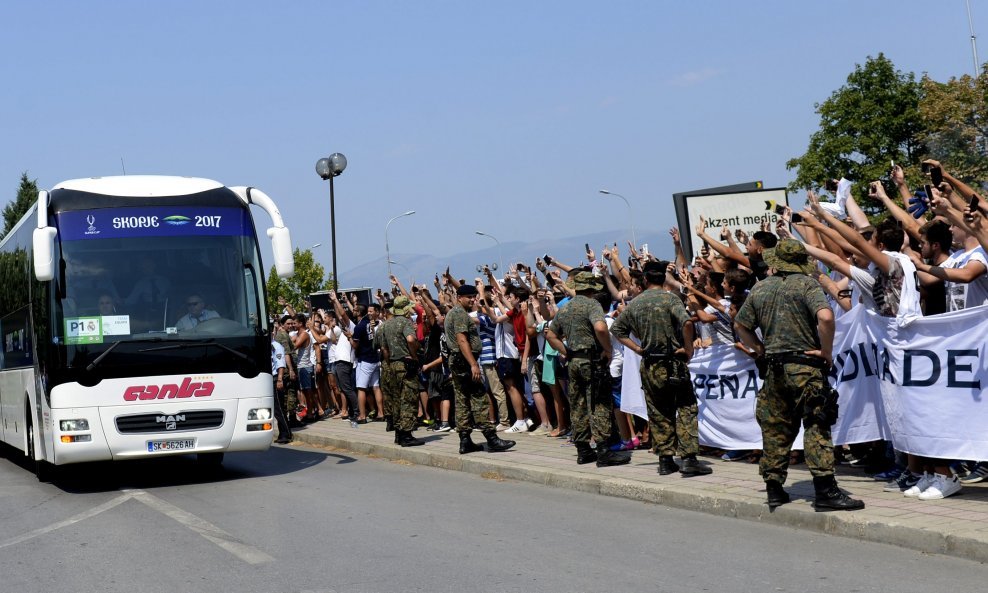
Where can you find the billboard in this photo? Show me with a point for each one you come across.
(745, 210)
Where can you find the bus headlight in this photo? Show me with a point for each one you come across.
(259, 414)
(73, 425)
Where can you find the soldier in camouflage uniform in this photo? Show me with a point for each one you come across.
(463, 340)
(390, 386)
(798, 328)
(291, 382)
(400, 349)
(659, 319)
(588, 352)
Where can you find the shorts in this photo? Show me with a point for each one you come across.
(368, 374)
(509, 368)
(535, 374)
(436, 384)
(305, 378)
(616, 391)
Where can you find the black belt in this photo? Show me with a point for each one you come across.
(571, 354)
(796, 358)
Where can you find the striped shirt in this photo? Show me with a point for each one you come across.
(486, 328)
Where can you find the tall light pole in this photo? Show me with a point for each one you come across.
(329, 168)
(387, 247)
(631, 216)
(500, 256)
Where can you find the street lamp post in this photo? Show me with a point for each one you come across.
(387, 247)
(500, 256)
(631, 216)
(329, 168)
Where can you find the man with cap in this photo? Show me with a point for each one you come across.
(798, 328)
(463, 341)
(660, 321)
(399, 373)
(588, 352)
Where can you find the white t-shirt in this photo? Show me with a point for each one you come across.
(344, 350)
(277, 358)
(721, 331)
(964, 295)
(617, 351)
(862, 284)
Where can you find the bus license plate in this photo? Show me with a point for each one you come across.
(175, 445)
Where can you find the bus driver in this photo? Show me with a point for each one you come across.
(197, 313)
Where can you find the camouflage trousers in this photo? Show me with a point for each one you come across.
(403, 401)
(390, 388)
(788, 398)
(671, 408)
(590, 400)
(470, 400)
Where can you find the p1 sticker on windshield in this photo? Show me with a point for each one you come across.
(84, 330)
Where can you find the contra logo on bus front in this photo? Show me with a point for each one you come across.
(171, 221)
(188, 388)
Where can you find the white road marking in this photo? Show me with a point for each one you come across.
(70, 521)
(204, 528)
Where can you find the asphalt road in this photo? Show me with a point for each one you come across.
(306, 519)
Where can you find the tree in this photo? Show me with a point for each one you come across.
(956, 117)
(308, 278)
(27, 195)
(865, 124)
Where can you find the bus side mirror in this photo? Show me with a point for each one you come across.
(44, 253)
(281, 245)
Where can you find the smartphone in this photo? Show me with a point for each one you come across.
(547, 259)
(520, 266)
(892, 164)
(797, 218)
(830, 185)
(973, 204)
(929, 192)
(925, 167)
(780, 209)
(645, 249)
(586, 247)
(936, 176)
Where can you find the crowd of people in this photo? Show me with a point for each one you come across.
(542, 350)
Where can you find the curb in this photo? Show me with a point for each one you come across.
(798, 514)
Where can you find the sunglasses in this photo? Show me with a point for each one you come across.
(193, 303)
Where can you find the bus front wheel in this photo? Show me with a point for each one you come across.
(44, 470)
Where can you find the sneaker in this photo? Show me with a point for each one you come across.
(919, 487)
(503, 427)
(519, 426)
(735, 455)
(941, 487)
(905, 481)
(444, 427)
(425, 421)
(978, 474)
(529, 424)
(889, 474)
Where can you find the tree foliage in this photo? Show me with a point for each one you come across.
(308, 278)
(871, 120)
(956, 117)
(27, 194)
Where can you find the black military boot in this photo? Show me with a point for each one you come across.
(406, 439)
(830, 498)
(584, 454)
(667, 465)
(389, 424)
(495, 443)
(606, 457)
(467, 445)
(777, 496)
(691, 467)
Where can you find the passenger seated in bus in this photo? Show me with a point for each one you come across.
(151, 288)
(105, 305)
(197, 313)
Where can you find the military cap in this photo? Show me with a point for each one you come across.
(789, 256)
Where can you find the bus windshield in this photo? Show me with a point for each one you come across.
(182, 273)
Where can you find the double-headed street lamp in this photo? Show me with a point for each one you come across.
(387, 247)
(328, 168)
(500, 256)
(631, 216)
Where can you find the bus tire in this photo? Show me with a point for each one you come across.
(209, 459)
(44, 470)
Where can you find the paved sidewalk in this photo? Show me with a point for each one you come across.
(956, 526)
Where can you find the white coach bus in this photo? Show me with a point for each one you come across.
(133, 323)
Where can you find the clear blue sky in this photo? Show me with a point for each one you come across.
(505, 117)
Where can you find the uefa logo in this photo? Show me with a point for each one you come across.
(92, 225)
